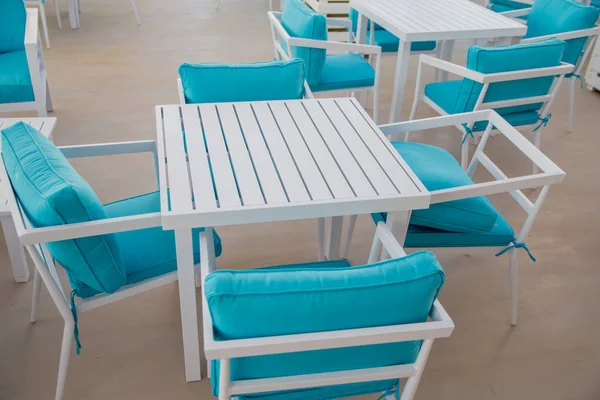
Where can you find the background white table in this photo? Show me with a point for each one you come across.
(439, 20)
(13, 244)
(239, 163)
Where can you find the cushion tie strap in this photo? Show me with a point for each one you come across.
(543, 121)
(579, 78)
(76, 328)
(468, 132)
(394, 390)
(516, 245)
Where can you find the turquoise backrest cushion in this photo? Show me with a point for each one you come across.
(301, 21)
(487, 60)
(52, 193)
(272, 302)
(517, 5)
(437, 169)
(557, 16)
(12, 25)
(216, 83)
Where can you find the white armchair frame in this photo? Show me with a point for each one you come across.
(440, 325)
(42, 103)
(40, 4)
(373, 52)
(551, 174)
(35, 240)
(591, 34)
(487, 79)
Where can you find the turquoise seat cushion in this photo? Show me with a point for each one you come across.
(52, 193)
(345, 71)
(444, 94)
(437, 169)
(557, 16)
(146, 253)
(501, 234)
(15, 81)
(487, 60)
(301, 21)
(302, 299)
(13, 18)
(389, 43)
(216, 83)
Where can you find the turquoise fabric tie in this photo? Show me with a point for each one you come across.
(517, 245)
(468, 132)
(579, 78)
(543, 121)
(76, 328)
(394, 390)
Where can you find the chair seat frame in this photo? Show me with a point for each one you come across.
(440, 325)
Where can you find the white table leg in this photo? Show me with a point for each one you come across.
(15, 251)
(73, 14)
(187, 302)
(446, 54)
(335, 238)
(398, 223)
(400, 81)
(361, 29)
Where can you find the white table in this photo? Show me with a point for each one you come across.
(294, 159)
(13, 244)
(439, 20)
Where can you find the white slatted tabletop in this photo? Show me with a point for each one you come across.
(438, 19)
(236, 163)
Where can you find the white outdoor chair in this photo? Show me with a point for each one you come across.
(323, 330)
(23, 83)
(40, 4)
(110, 252)
(300, 32)
(570, 21)
(77, 5)
(460, 215)
(519, 81)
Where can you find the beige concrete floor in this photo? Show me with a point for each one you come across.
(106, 78)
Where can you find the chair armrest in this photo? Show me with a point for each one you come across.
(566, 35)
(450, 67)
(31, 27)
(388, 241)
(108, 149)
(516, 13)
(340, 22)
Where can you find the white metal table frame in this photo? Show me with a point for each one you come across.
(13, 244)
(439, 20)
(240, 163)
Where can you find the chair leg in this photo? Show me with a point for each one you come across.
(513, 271)
(135, 11)
(349, 233)
(376, 105)
(49, 106)
(65, 357)
(464, 153)
(537, 141)
(321, 238)
(37, 286)
(44, 24)
(57, 14)
(571, 103)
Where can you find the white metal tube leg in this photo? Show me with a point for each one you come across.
(464, 153)
(413, 382)
(224, 377)
(73, 14)
(65, 357)
(57, 14)
(537, 141)
(49, 106)
(445, 54)
(35, 300)
(400, 80)
(513, 271)
(15, 251)
(571, 103)
(349, 233)
(187, 302)
(335, 238)
(135, 11)
(44, 24)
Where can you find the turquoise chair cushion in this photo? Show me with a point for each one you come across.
(301, 21)
(487, 60)
(146, 253)
(13, 18)
(53, 193)
(345, 71)
(389, 43)
(501, 234)
(302, 299)
(216, 83)
(15, 82)
(445, 95)
(437, 169)
(558, 16)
